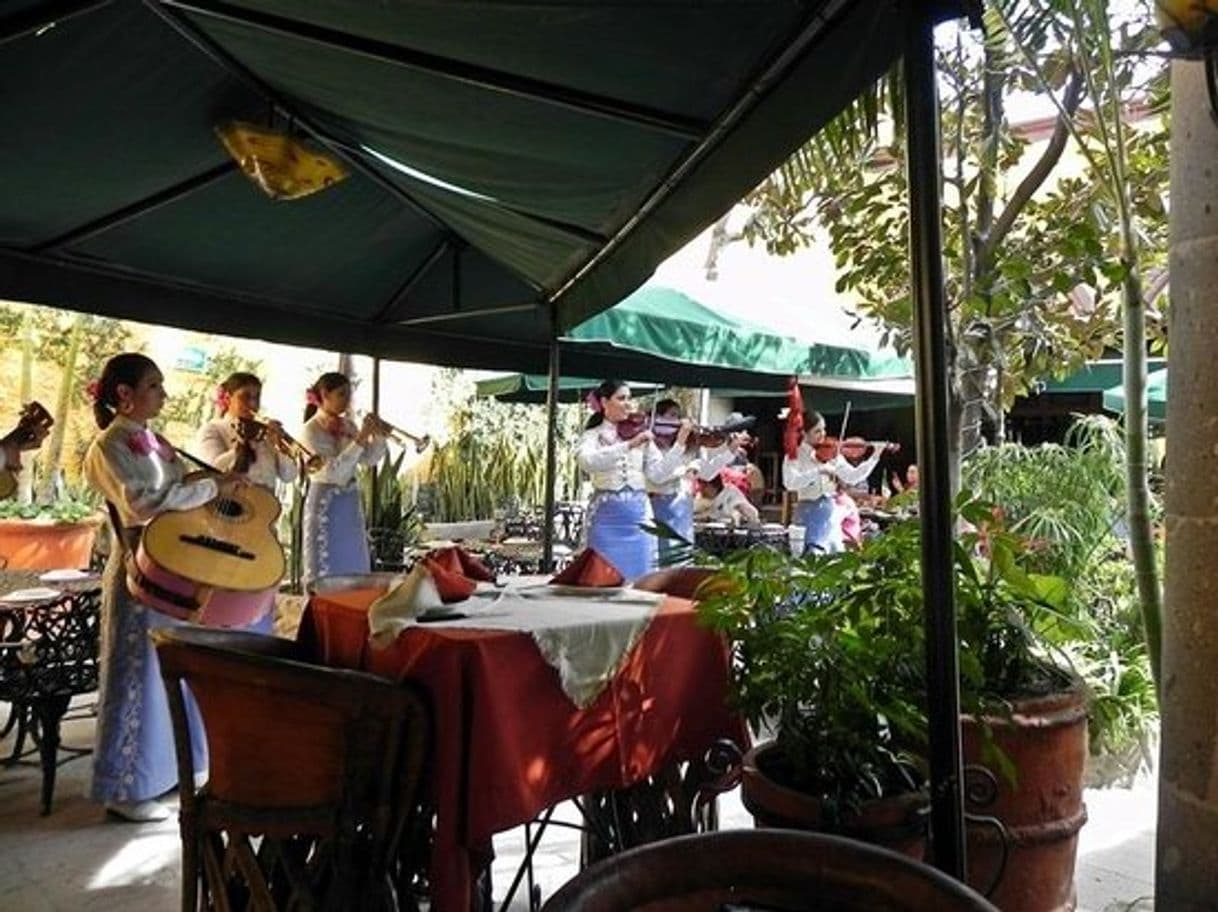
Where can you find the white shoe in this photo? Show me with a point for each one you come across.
(138, 811)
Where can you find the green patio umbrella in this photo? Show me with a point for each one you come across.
(532, 388)
(1156, 395)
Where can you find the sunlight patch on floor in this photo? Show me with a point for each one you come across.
(140, 860)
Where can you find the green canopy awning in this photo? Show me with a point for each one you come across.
(664, 335)
(1096, 376)
(1156, 397)
(533, 388)
(515, 167)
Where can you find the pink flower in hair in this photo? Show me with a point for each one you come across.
(93, 390)
(312, 398)
(222, 399)
(593, 402)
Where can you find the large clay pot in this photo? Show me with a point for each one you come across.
(897, 823)
(31, 544)
(1046, 740)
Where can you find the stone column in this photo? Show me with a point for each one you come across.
(1187, 856)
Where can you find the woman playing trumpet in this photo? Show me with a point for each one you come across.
(335, 539)
(222, 443)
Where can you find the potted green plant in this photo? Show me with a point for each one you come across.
(55, 536)
(828, 659)
(393, 523)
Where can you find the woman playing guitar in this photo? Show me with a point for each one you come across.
(140, 474)
(222, 443)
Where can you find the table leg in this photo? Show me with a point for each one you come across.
(49, 711)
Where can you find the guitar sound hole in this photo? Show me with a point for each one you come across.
(229, 509)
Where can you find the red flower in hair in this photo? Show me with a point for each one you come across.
(93, 390)
(312, 398)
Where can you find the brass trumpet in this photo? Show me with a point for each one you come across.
(252, 429)
(387, 430)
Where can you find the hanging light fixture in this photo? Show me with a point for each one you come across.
(281, 166)
(1191, 28)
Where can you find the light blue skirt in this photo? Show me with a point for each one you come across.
(676, 511)
(134, 757)
(614, 524)
(823, 533)
(335, 540)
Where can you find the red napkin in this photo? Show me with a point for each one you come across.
(589, 569)
(458, 560)
(453, 587)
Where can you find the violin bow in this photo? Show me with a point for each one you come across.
(842, 434)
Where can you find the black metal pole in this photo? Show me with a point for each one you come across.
(547, 529)
(374, 500)
(933, 430)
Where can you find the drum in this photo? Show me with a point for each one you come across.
(714, 538)
(775, 536)
(186, 600)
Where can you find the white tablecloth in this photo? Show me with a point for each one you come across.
(583, 633)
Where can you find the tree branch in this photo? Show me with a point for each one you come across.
(1036, 177)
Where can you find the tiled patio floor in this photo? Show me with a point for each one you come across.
(75, 860)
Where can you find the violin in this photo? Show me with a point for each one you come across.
(853, 448)
(665, 430)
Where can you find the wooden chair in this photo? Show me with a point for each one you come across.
(315, 774)
(763, 871)
(681, 582)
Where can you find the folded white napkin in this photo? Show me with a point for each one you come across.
(396, 610)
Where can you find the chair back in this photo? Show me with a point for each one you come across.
(765, 871)
(681, 582)
(296, 750)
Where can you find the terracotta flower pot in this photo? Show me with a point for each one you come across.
(31, 544)
(897, 823)
(1046, 740)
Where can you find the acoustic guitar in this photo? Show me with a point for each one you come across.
(228, 543)
(34, 419)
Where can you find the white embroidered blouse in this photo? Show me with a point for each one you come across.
(339, 452)
(707, 463)
(216, 444)
(139, 472)
(612, 464)
(812, 479)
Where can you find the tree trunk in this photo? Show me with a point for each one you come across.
(1187, 856)
(25, 480)
(54, 448)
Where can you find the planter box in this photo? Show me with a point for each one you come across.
(38, 544)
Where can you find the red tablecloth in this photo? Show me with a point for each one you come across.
(509, 743)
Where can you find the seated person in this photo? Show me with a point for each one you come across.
(909, 482)
(847, 511)
(728, 503)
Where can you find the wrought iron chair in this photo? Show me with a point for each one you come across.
(315, 775)
(763, 871)
(48, 654)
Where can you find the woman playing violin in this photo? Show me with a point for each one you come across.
(621, 458)
(672, 496)
(221, 443)
(814, 474)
